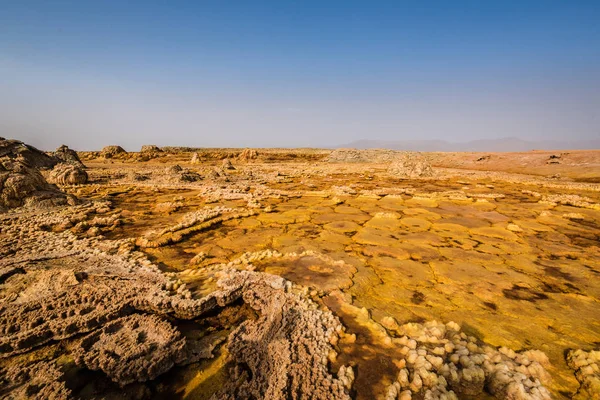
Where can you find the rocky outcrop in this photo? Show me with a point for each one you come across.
(21, 184)
(247, 155)
(403, 164)
(112, 151)
(410, 165)
(150, 148)
(176, 173)
(67, 155)
(195, 158)
(227, 165)
(68, 174)
(34, 158)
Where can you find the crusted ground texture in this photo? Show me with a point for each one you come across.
(302, 273)
(56, 287)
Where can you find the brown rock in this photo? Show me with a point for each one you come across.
(68, 174)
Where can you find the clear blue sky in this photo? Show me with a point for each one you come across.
(303, 73)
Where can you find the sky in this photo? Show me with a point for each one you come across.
(297, 74)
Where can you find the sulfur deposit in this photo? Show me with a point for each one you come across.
(298, 273)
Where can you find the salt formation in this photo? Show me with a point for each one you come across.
(227, 165)
(176, 173)
(441, 362)
(66, 155)
(247, 155)
(284, 352)
(68, 174)
(587, 371)
(119, 304)
(363, 156)
(410, 165)
(34, 158)
(191, 223)
(111, 151)
(150, 148)
(22, 184)
(135, 348)
(39, 380)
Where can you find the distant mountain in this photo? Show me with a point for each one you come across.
(504, 144)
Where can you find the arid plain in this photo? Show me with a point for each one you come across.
(299, 273)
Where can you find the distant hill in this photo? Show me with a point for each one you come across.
(492, 145)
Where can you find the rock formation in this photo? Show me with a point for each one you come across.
(68, 174)
(67, 155)
(111, 151)
(176, 173)
(120, 302)
(227, 165)
(22, 184)
(247, 155)
(150, 148)
(33, 157)
(195, 158)
(410, 165)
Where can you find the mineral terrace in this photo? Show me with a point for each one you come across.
(298, 274)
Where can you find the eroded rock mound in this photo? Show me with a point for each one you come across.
(248, 154)
(67, 155)
(68, 174)
(22, 184)
(150, 148)
(227, 165)
(176, 173)
(410, 165)
(34, 158)
(112, 151)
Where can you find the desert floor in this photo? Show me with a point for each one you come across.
(506, 245)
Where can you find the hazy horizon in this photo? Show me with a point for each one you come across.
(273, 74)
